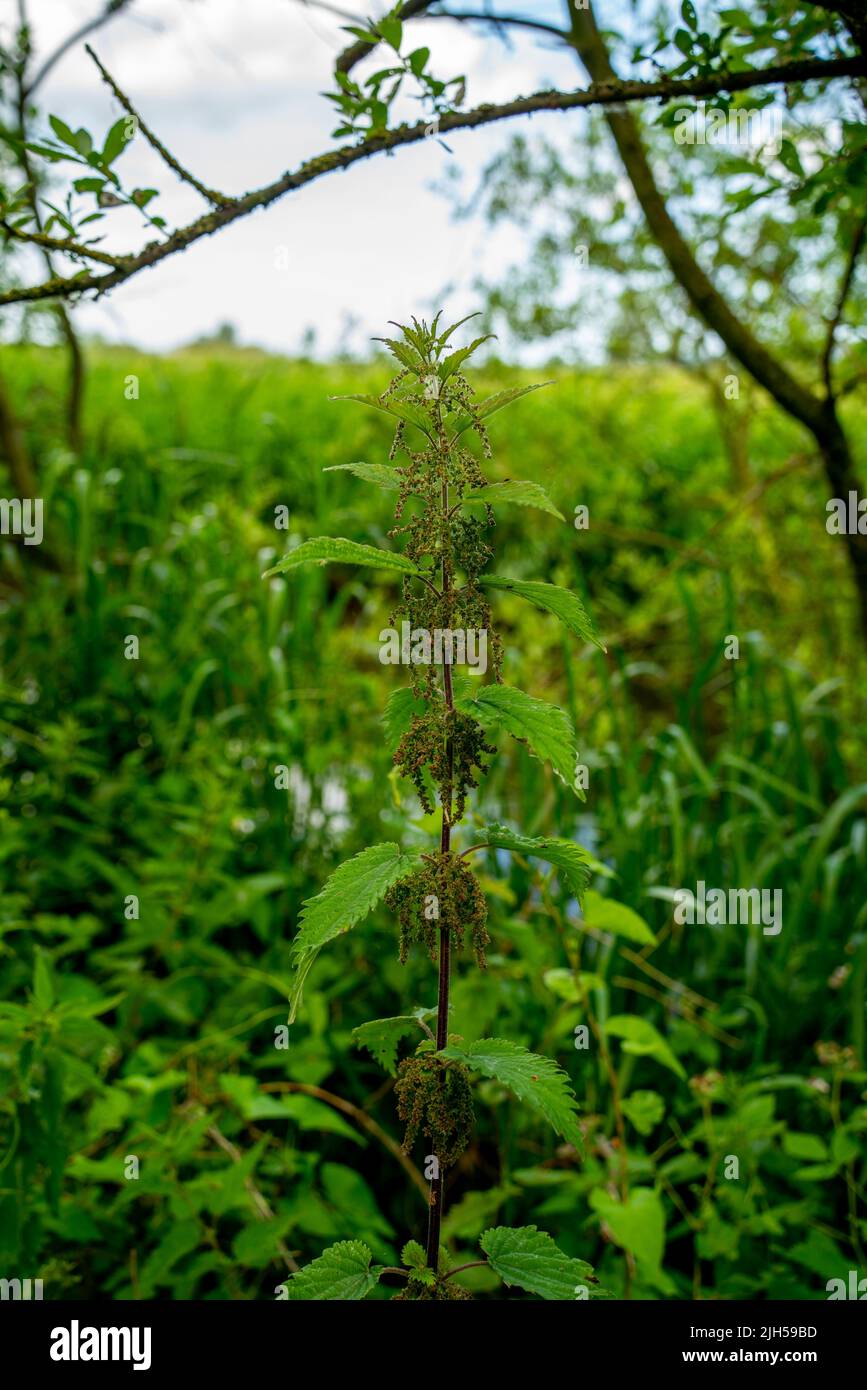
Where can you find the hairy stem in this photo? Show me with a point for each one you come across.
(436, 1191)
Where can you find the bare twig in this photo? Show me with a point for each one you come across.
(210, 194)
(331, 9)
(359, 50)
(845, 286)
(112, 8)
(512, 20)
(67, 246)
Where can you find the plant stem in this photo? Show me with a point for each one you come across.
(436, 1190)
(459, 1269)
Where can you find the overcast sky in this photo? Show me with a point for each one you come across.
(232, 88)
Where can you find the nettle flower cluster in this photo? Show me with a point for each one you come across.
(443, 725)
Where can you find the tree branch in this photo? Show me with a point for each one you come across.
(112, 8)
(605, 93)
(770, 372)
(331, 9)
(357, 51)
(515, 20)
(68, 247)
(210, 194)
(845, 286)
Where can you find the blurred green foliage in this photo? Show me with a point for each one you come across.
(152, 1036)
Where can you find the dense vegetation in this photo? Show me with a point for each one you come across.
(148, 1031)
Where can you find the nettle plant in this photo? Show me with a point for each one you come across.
(443, 724)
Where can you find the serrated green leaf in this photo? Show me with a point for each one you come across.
(530, 1258)
(343, 1272)
(336, 550)
(349, 894)
(519, 491)
(545, 728)
(412, 1256)
(454, 361)
(537, 1080)
(443, 337)
(404, 354)
(567, 857)
(561, 602)
(380, 1036)
(641, 1039)
(616, 918)
(378, 473)
(492, 404)
(396, 408)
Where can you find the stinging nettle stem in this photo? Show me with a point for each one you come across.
(436, 1193)
(443, 749)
